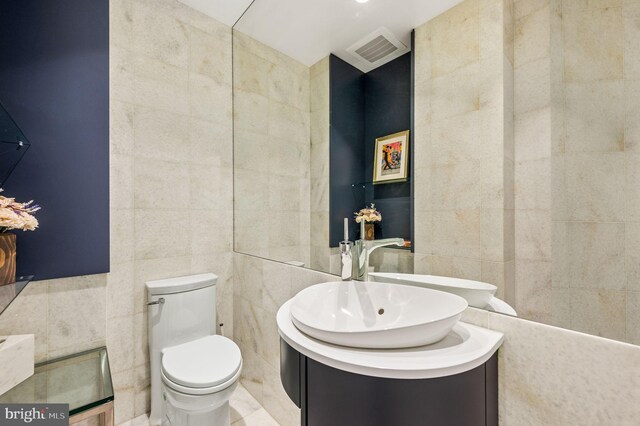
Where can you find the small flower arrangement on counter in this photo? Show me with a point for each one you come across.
(13, 215)
(368, 216)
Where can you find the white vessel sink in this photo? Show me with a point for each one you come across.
(476, 293)
(375, 315)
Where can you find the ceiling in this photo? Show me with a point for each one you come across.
(225, 11)
(309, 30)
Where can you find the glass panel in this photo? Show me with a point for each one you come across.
(9, 292)
(13, 145)
(82, 380)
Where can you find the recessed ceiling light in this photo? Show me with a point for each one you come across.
(362, 1)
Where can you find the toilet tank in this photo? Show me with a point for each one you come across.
(188, 311)
(180, 310)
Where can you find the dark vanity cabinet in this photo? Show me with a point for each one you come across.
(329, 396)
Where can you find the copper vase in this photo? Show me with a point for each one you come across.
(369, 232)
(7, 258)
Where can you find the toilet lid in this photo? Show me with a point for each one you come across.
(202, 363)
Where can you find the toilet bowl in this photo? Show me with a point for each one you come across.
(193, 371)
(198, 378)
(192, 410)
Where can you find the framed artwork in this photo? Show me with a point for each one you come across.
(390, 163)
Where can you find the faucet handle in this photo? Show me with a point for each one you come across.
(346, 259)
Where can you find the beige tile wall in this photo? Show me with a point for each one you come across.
(568, 109)
(533, 141)
(272, 150)
(260, 288)
(464, 144)
(319, 233)
(594, 205)
(552, 376)
(171, 192)
(171, 149)
(575, 177)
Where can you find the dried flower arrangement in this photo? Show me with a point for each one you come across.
(15, 215)
(368, 215)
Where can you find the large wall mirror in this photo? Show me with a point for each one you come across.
(524, 166)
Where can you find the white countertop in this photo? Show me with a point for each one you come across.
(17, 355)
(465, 348)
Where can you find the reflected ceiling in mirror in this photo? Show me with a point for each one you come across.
(312, 30)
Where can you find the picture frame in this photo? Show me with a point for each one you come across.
(391, 158)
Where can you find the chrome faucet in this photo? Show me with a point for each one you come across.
(346, 257)
(363, 249)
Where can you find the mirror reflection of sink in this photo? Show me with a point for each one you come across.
(375, 315)
(476, 293)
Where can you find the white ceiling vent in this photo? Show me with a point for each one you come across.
(376, 49)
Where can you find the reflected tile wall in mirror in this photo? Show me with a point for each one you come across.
(271, 151)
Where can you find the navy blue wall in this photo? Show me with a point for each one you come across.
(387, 110)
(365, 107)
(54, 81)
(346, 134)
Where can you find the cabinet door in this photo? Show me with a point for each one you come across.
(290, 374)
(336, 398)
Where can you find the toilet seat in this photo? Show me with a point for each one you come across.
(195, 392)
(206, 365)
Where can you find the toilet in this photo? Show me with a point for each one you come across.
(193, 371)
